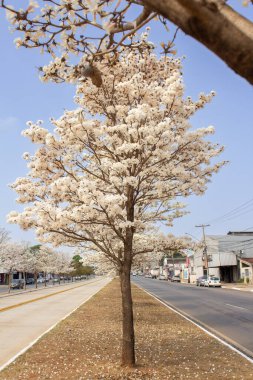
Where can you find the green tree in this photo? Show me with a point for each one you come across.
(78, 268)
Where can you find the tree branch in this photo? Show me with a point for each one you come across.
(217, 26)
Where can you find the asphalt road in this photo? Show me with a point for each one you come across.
(228, 312)
(24, 317)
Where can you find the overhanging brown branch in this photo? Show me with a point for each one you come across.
(217, 26)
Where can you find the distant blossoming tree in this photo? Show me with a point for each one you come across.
(99, 263)
(37, 259)
(11, 259)
(146, 249)
(115, 167)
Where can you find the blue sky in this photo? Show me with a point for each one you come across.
(23, 97)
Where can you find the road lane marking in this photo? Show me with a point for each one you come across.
(234, 346)
(238, 307)
(43, 297)
(21, 352)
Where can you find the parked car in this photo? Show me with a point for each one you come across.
(148, 275)
(176, 278)
(162, 277)
(212, 281)
(201, 281)
(30, 281)
(55, 279)
(17, 284)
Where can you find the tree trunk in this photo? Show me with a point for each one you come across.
(217, 26)
(9, 282)
(128, 352)
(36, 279)
(24, 275)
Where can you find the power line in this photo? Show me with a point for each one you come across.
(246, 229)
(236, 215)
(233, 211)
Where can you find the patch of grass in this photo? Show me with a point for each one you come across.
(87, 346)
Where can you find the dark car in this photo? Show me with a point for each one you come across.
(17, 284)
(30, 281)
(201, 281)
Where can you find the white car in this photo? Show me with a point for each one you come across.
(40, 280)
(212, 281)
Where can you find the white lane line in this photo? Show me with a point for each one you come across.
(238, 307)
(224, 342)
(48, 330)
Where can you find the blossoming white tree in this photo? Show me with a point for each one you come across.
(104, 182)
(38, 259)
(146, 248)
(158, 244)
(98, 262)
(11, 259)
(61, 264)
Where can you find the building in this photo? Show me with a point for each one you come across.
(229, 257)
(2, 276)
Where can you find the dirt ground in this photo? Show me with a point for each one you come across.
(87, 346)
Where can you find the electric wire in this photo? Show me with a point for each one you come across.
(244, 207)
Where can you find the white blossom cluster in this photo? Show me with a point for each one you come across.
(12, 257)
(100, 264)
(22, 258)
(89, 28)
(120, 163)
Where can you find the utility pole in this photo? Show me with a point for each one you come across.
(203, 226)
